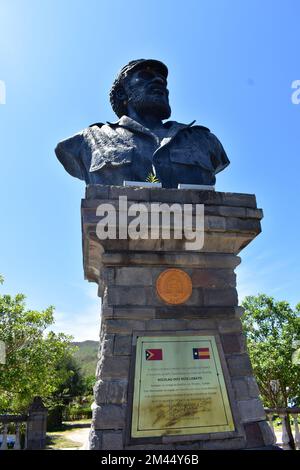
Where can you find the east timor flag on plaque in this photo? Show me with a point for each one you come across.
(201, 353)
(154, 355)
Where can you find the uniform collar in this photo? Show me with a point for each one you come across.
(131, 124)
(173, 127)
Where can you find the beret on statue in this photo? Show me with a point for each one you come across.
(117, 104)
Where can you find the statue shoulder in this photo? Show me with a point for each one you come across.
(199, 128)
(204, 132)
(69, 152)
(213, 145)
(70, 145)
(74, 144)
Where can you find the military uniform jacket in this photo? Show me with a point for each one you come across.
(114, 152)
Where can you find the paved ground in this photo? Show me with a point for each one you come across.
(278, 438)
(77, 433)
(79, 436)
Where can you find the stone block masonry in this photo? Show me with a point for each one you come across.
(127, 272)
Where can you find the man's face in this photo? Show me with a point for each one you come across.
(147, 92)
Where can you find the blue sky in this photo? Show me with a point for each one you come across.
(231, 65)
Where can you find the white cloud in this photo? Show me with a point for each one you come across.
(81, 324)
(266, 274)
(91, 290)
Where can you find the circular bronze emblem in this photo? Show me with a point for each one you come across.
(174, 286)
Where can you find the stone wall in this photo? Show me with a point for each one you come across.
(126, 272)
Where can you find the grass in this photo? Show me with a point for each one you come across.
(61, 439)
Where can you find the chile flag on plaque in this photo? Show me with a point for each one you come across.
(154, 355)
(201, 353)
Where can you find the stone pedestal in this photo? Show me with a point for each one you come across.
(36, 425)
(127, 271)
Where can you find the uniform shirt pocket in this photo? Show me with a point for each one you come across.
(111, 157)
(191, 156)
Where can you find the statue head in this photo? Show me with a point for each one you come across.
(141, 85)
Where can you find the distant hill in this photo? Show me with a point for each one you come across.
(86, 356)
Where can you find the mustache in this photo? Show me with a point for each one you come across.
(141, 98)
(158, 86)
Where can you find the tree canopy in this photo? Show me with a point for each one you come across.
(272, 329)
(33, 355)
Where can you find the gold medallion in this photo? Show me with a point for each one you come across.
(174, 286)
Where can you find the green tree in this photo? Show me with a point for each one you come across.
(32, 354)
(271, 328)
(73, 386)
(89, 383)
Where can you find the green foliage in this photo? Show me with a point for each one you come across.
(32, 355)
(86, 357)
(76, 411)
(271, 328)
(73, 398)
(152, 178)
(89, 383)
(296, 357)
(72, 386)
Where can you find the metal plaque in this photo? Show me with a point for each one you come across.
(179, 387)
(174, 286)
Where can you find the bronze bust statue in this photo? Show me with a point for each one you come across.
(140, 143)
